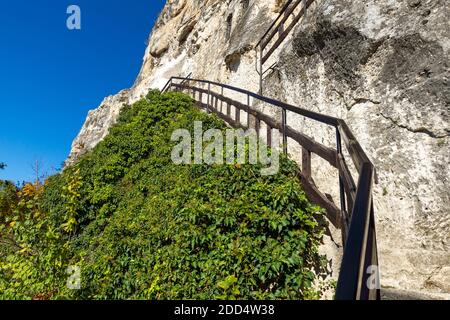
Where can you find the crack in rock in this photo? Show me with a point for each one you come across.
(415, 130)
(362, 100)
(356, 101)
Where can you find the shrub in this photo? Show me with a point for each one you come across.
(141, 227)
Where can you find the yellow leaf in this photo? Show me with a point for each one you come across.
(23, 250)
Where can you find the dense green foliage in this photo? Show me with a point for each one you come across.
(140, 227)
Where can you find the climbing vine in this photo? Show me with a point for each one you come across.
(140, 227)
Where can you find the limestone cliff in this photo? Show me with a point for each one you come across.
(383, 66)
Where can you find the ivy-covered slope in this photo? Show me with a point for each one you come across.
(140, 227)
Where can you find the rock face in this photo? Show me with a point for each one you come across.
(383, 66)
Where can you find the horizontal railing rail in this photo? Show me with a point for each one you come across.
(169, 82)
(276, 21)
(358, 278)
(304, 112)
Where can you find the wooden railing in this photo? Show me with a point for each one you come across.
(166, 87)
(355, 217)
(290, 15)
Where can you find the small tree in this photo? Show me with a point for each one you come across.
(8, 199)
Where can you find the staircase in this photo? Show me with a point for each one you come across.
(356, 216)
(290, 15)
(358, 278)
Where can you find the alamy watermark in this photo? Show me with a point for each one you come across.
(207, 147)
(373, 281)
(73, 22)
(74, 278)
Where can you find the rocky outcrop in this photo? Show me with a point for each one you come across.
(381, 65)
(97, 123)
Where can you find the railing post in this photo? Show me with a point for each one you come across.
(261, 69)
(269, 136)
(280, 29)
(306, 163)
(257, 127)
(209, 96)
(344, 225)
(351, 284)
(248, 111)
(283, 125)
(221, 100)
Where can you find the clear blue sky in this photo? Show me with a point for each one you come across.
(50, 76)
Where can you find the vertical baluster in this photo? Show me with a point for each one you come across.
(209, 96)
(283, 125)
(257, 126)
(248, 111)
(306, 163)
(281, 28)
(221, 101)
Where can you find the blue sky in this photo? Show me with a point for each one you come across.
(51, 76)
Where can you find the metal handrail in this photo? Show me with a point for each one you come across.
(360, 260)
(360, 252)
(304, 112)
(168, 82)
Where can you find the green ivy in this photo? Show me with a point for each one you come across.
(141, 227)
